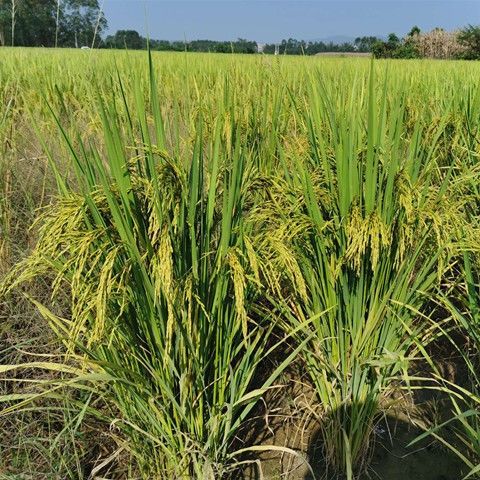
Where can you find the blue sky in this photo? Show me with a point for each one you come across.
(272, 20)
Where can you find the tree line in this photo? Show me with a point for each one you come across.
(76, 23)
(51, 23)
(438, 43)
(301, 47)
(132, 40)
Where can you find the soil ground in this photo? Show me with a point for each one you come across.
(391, 457)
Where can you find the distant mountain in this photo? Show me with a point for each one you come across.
(339, 39)
(336, 39)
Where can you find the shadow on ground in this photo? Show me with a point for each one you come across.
(391, 458)
(286, 422)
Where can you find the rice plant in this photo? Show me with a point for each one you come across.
(462, 301)
(369, 220)
(236, 195)
(158, 253)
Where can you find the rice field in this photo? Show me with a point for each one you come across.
(224, 266)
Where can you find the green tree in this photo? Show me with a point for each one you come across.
(82, 23)
(414, 31)
(50, 23)
(396, 48)
(469, 38)
(33, 24)
(129, 39)
(365, 44)
(392, 41)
